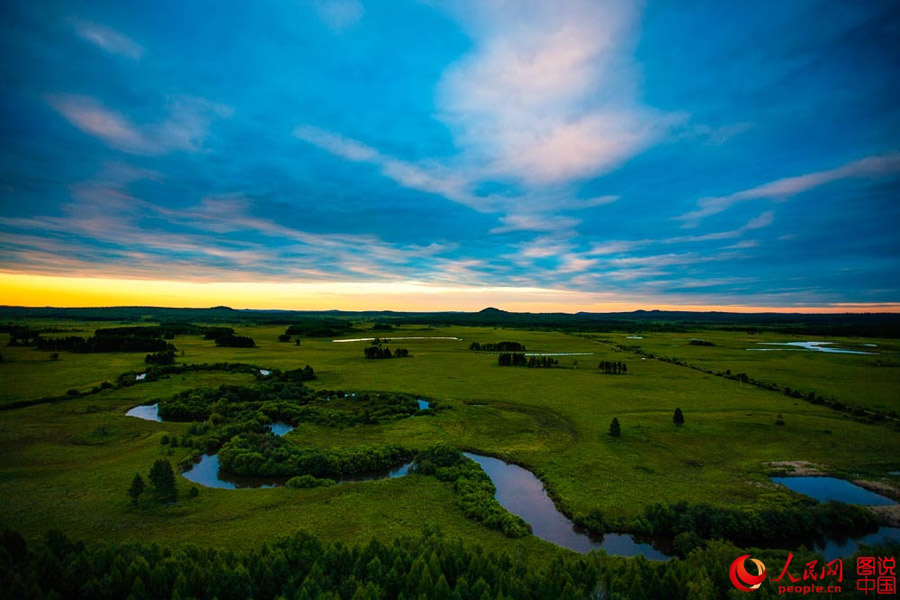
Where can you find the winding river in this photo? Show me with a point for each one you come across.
(523, 494)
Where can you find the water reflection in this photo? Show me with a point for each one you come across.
(824, 489)
(521, 493)
(148, 412)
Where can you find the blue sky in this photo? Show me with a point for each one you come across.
(579, 155)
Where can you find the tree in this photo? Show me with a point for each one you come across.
(614, 429)
(163, 479)
(235, 341)
(136, 489)
(161, 358)
(678, 418)
(54, 356)
(284, 337)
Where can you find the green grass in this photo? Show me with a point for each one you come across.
(68, 464)
(872, 381)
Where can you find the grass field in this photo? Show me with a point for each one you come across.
(871, 380)
(68, 464)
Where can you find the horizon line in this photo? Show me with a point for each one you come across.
(49, 291)
(804, 311)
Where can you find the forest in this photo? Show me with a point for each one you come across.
(302, 567)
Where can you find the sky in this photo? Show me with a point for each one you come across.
(427, 155)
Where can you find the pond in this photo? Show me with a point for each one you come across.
(559, 353)
(396, 339)
(815, 346)
(148, 412)
(832, 488)
(523, 494)
(423, 404)
(280, 429)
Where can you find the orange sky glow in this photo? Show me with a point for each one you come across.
(47, 290)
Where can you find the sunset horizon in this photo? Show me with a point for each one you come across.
(397, 296)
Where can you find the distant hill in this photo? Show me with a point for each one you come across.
(848, 324)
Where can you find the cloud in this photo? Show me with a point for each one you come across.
(339, 15)
(573, 263)
(763, 220)
(126, 235)
(548, 94)
(782, 189)
(108, 39)
(91, 117)
(430, 178)
(185, 127)
(534, 222)
(614, 247)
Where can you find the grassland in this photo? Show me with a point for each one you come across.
(871, 380)
(68, 464)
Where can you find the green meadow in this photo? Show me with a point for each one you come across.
(67, 464)
(870, 380)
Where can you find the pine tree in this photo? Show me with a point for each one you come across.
(163, 479)
(678, 417)
(614, 429)
(136, 489)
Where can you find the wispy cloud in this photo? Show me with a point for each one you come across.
(91, 117)
(184, 128)
(535, 222)
(108, 39)
(431, 178)
(782, 189)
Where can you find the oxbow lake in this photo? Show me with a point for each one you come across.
(813, 346)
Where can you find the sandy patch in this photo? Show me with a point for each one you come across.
(798, 468)
(887, 515)
(879, 487)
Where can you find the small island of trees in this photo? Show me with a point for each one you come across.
(612, 367)
(380, 351)
(520, 360)
(235, 341)
(497, 347)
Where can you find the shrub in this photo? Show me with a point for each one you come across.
(614, 429)
(308, 481)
